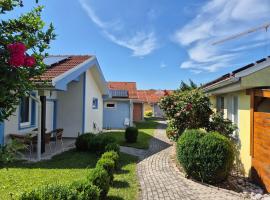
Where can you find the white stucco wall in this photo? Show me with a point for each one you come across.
(70, 108)
(93, 115)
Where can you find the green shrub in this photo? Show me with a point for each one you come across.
(221, 125)
(82, 141)
(149, 114)
(100, 178)
(131, 134)
(113, 147)
(50, 192)
(112, 155)
(85, 190)
(99, 142)
(187, 148)
(216, 157)
(207, 157)
(108, 164)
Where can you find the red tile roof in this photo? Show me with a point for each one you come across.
(152, 96)
(129, 86)
(62, 67)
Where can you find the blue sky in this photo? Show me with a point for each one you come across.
(159, 43)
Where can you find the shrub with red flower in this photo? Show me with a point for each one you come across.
(189, 109)
(17, 57)
(17, 67)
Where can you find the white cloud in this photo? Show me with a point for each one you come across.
(216, 20)
(141, 43)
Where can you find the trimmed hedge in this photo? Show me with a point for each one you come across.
(107, 164)
(85, 190)
(207, 157)
(50, 192)
(131, 134)
(82, 141)
(94, 188)
(100, 178)
(93, 142)
(112, 155)
(113, 147)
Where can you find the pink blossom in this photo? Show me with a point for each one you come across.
(29, 61)
(16, 48)
(16, 60)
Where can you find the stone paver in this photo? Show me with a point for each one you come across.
(159, 179)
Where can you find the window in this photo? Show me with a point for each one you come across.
(95, 103)
(110, 105)
(232, 112)
(25, 111)
(220, 105)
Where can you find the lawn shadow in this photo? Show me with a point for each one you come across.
(71, 159)
(120, 184)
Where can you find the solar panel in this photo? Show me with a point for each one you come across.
(50, 60)
(119, 93)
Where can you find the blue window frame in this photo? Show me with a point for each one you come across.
(27, 112)
(95, 103)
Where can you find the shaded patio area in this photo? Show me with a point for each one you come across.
(51, 150)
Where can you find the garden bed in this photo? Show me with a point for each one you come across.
(64, 169)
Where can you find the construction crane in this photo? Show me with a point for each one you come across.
(265, 27)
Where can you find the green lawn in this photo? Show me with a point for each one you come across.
(146, 131)
(64, 169)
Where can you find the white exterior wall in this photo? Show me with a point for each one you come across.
(70, 108)
(12, 124)
(93, 115)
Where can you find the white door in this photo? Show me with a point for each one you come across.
(49, 115)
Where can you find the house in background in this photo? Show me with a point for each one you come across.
(151, 99)
(72, 99)
(122, 107)
(243, 96)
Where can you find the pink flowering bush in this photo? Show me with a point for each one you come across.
(189, 109)
(23, 42)
(17, 57)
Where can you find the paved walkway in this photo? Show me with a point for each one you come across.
(159, 179)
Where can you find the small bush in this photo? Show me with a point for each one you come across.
(187, 148)
(113, 147)
(207, 157)
(85, 190)
(131, 134)
(100, 178)
(50, 192)
(107, 164)
(112, 155)
(82, 141)
(99, 142)
(149, 114)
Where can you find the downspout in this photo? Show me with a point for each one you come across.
(39, 127)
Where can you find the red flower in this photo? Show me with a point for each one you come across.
(29, 61)
(16, 60)
(189, 106)
(16, 48)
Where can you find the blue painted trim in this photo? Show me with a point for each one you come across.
(32, 123)
(2, 133)
(62, 83)
(84, 90)
(77, 79)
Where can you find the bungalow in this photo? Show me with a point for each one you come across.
(122, 107)
(151, 99)
(69, 96)
(244, 97)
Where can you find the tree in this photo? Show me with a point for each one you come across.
(23, 42)
(185, 86)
